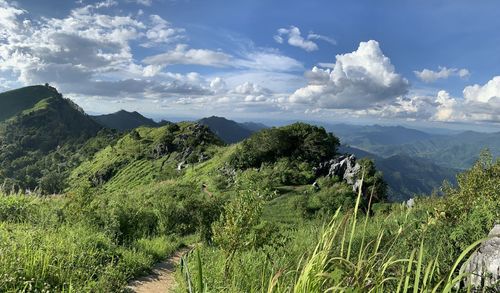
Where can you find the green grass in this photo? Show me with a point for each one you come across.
(282, 209)
(15, 101)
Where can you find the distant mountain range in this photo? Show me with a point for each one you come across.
(230, 131)
(453, 151)
(123, 120)
(413, 161)
(407, 176)
(374, 135)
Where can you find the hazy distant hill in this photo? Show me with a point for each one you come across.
(458, 151)
(407, 176)
(252, 126)
(228, 130)
(374, 135)
(123, 120)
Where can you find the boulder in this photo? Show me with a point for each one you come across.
(344, 167)
(484, 264)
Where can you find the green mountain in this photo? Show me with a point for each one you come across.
(376, 135)
(458, 151)
(229, 131)
(15, 101)
(148, 155)
(41, 142)
(253, 126)
(123, 120)
(408, 176)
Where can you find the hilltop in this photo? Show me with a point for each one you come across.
(229, 131)
(15, 101)
(123, 120)
(44, 140)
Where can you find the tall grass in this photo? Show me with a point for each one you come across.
(347, 257)
(330, 269)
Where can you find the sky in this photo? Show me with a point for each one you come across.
(423, 63)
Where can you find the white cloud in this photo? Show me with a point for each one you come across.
(266, 60)
(182, 54)
(144, 2)
(428, 75)
(313, 36)
(360, 79)
(161, 32)
(249, 88)
(218, 85)
(8, 17)
(483, 94)
(294, 38)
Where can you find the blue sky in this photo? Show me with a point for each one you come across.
(411, 62)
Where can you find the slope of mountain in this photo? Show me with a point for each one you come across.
(368, 136)
(456, 151)
(408, 176)
(147, 155)
(15, 101)
(252, 126)
(43, 141)
(123, 120)
(229, 131)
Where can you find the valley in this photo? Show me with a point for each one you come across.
(91, 203)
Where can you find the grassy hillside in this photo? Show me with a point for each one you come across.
(15, 101)
(123, 120)
(41, 143)
(135, 198)
(147, 155)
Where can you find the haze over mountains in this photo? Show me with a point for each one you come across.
(413, 161)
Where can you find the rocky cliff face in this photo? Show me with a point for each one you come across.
(484, 265)
(344, 167)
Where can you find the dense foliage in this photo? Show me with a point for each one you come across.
(134, 198)
(298, 142)
(42, 144)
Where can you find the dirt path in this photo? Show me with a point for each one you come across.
(162, 279)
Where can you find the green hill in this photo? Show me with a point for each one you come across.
(229, 131)
(41, 142)
(15, 101)
(148, 155)
(123, 120)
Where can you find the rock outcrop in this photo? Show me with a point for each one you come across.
(484, 264)
(344, 167)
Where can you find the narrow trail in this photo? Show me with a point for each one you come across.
(162, 279)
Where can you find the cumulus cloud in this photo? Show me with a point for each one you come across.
(485, 93)
(294, 38)
(8, 17)
(161, 32)
(428, 75)
(480, 103)
(360, 79)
